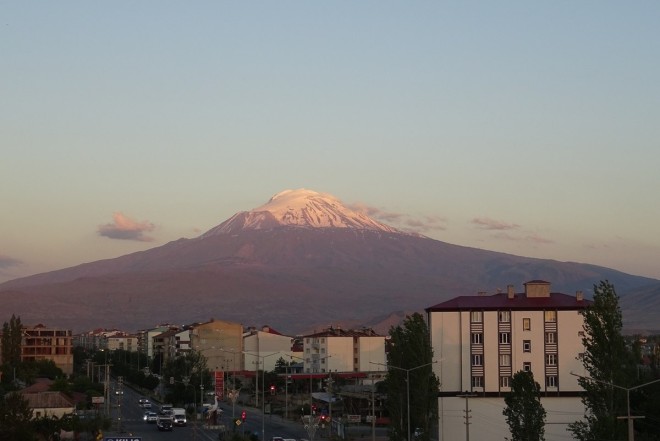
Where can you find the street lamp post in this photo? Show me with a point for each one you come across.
(263, 379)
(631, 430)
(407, 371)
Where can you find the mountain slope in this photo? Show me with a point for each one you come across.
(299, 261)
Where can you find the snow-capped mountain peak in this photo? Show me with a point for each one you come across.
(301, 208)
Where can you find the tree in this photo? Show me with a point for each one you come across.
(12, 333)
(524, 412)
(15, 418)
(410, 357)
(607, 361)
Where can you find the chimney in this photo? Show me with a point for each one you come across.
(579, 296)
(509, 292)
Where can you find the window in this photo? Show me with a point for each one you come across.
(323, 361)
(477, 360)
(476, 317)
(505, 359)
(551, 381)
(527, 346)
(550, 316)
(551, 359)
(527, 366)
(322, 350)
(505, 338)
(477, 381)
(551, 337)
(307, 350)
(477, 338)
(527, 324)
(505, 381)
(504, 316)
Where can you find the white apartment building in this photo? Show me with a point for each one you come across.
(338, 350)
(263, 347)
(479, 342)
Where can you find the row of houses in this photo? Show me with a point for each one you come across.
(478, 341)
(228, 346)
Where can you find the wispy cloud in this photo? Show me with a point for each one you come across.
(402, 220)
(125, 228)
(538, 239)
(8, 262)
(427, 223)
(385, 216)
(531, 238)
(486, 223)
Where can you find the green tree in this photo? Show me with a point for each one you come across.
(15, 419)
(12, 333)
(190, 367)
(410, 357)
(607, 361)
(524, 412)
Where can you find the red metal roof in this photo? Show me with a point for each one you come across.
(501, 301)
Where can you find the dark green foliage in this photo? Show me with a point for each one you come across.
(524, 412)
(15, 416)
(410, 354)
(607, 361)
(11, 348)
(187, 370)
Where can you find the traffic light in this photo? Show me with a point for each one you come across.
(171, 380)
(272, 389)
(313, 409)
(243, 415)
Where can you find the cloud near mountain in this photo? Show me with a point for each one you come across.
(125, 228)
(301, 260)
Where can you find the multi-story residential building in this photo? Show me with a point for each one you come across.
(220, 342)
(339, 350)
(146, 339)
(42, 343)
(263, 347)
(480, 341)
(121, 341)
(172, 343)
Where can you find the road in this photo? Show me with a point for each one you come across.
(127, 417)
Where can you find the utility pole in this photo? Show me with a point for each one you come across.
(630, 418)
(467, 396)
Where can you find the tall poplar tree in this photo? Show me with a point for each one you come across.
(12, 333)
(607, 362)
(411, 356)
(524, 412)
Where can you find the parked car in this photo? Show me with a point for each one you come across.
(164, 423)
(150, 417)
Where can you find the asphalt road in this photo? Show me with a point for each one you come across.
(127, 418)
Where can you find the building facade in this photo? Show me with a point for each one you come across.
(263, 347)
(43, 343)
(479, 342)
(339, 350)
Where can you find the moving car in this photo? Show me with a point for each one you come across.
(150, 417)
(164, 423)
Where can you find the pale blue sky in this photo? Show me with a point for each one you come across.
(524, 127)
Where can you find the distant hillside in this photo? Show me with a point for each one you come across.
(308, 263)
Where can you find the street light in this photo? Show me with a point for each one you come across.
(233, 393)
(631, 431)
(263, 379)
(407, 371)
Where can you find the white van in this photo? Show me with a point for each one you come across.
(179, 416)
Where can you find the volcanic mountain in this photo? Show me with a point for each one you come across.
(301, 260)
